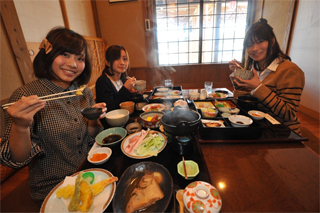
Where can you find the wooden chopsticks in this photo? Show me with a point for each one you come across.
(52, 96)
(238, 65)
(184, 168)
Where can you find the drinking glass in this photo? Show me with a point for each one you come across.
(208, 86)
(168, 83)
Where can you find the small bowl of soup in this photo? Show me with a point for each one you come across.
(111, 136)
(99, 155)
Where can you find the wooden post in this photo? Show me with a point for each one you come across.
(19, 47)
(64, 14)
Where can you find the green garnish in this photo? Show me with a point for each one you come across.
(89, 176)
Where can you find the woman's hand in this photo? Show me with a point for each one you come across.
(251, 84)
(104, 108)
(233, 64)
(22, 111)
(129, 84)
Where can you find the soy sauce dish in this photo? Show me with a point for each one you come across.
(240, 120)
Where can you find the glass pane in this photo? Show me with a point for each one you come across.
(206, 57)
(173, 35)
(237, 55)
(183, 34)
(183, 58)
(226, 56)
(163, 48)
(161, 12)
(183, 10)
(193, 46)
(194, 9)
(193, 57)
(183, 47)
(238, 44)
(228, 45)
(172, 10)
(173, 47)
(162, 36)
(229, 32)
(173, 58)
(183, 22)
(207, 45)
(194, 21)
(163, 59)
(162, 24)
(216, 57)
(208, 8)
(194, 34)
(207, 21)
(207, 33)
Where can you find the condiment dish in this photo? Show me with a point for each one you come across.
(229, 110)
(111, 132)
(257, 115)
(240, 120)
(99, 155)
(151, 119)
(191, 167)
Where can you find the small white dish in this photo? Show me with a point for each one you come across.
(240, 120)
(257, 115)
(102, 150)
(229, 110)
(162, 89)
(225, 115)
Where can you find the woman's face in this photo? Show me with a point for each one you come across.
(257, 50)
(120, 65)
(67, 67)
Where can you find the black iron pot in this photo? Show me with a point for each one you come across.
(247, 102)
(180, 122)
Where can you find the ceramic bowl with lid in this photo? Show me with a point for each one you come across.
(200, 196)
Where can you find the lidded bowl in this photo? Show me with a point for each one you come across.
(200, 196)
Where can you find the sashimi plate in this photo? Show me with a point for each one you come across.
(100, 202)
(125, 143)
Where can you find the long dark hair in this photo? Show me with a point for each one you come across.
(62, 40)
(113, 53)
(261, 30)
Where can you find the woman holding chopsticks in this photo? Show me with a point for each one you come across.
(51, 136)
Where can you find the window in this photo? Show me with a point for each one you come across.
(200, 31)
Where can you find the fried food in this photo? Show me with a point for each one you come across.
(86, 196)
(98, 187)
(65, 192)
(147, 193)
(74, 202)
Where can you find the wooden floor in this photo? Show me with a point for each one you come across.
(309, 128)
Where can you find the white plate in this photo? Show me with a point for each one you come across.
(153, 107)
(162, 89)
(100, 202)
(126, 141)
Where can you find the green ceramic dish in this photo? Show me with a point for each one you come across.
(191, 167)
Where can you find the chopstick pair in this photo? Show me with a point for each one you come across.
(48, 97)
(184, 168)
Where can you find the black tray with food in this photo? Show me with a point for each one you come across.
(164, 94)
(215, 124)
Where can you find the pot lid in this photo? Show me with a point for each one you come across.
(200, 196)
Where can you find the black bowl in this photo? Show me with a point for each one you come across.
(135, 97)
(91, 113)
(247, 102)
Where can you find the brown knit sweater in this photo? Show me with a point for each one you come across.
(280, 94)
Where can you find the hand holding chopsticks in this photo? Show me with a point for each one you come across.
(78, 92)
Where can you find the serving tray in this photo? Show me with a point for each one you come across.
(166, 97)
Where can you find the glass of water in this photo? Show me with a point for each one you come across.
(208, 86)
(168, 83)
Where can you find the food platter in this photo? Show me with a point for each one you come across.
(203, 104)
(153, 107)
(125, 142)
(136, 171)
(100, 202)
(218, 95)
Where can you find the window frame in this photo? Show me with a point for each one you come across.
(152, 6)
